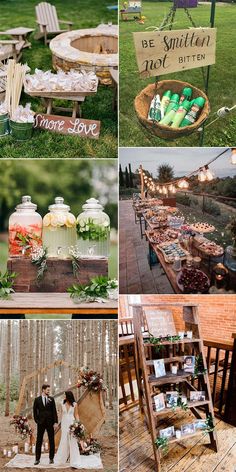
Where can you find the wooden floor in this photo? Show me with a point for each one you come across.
(135, 274)
(192, 455)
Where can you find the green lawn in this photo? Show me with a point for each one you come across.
(222, 75)
(84, 14)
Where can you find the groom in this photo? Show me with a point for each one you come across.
(45, 415)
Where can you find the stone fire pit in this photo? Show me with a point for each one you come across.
(87, 49)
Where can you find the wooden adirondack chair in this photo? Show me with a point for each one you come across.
(91, 411)
(10, 48)
(48, 22)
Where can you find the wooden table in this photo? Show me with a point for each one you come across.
(21, 34)
(60, 303)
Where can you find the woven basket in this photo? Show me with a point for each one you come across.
(142, 104)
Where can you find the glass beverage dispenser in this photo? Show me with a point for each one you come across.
(59, 229)
(93, 230)
(25, 229)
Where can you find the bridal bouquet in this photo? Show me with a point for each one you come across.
(77, 430)
(90, 379)
(21, 426)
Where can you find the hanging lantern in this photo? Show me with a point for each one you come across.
(160, 190)
(202, 175)
(31, 394)
(60, 375)
(209, 174)
(69, 382)
(164, 190)
(45, 379)
(157, 187)
(233, 156)
(183, 183)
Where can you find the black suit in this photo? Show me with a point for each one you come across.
(45, 417)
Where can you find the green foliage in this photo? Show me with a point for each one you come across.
(209, 424)
(183, 199)
(92, 231)
(165, 173)
(211, 207)
(163, 444)
(14, 389)
(45, 179)
(158, 341)
(6, 284)
(39, 258)
(231, 227)
(97, 288)
(199, 368)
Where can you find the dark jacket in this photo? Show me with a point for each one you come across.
(45, 414)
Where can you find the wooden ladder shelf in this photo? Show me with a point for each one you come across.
(172, 353)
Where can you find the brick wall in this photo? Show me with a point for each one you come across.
(217, 313)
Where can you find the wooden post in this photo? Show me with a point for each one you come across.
(142, 181)
(230, 410)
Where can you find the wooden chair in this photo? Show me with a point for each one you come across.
(10, 48)
(48, 22)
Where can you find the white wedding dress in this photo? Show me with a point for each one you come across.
(68, 450)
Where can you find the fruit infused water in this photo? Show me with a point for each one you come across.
(59, 230)
(93, 230)
(25, 229)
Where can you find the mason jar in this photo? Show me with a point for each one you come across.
(59, 230)
(93, 230)
(25, 229)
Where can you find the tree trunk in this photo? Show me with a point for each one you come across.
(8, 369)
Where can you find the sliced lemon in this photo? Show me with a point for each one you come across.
(47, 220)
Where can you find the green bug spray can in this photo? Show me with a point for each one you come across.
(174, 100)
(155, 109)
(180, 114)
(193, 113)
(168, 118)
(165, 102)
(186, 94)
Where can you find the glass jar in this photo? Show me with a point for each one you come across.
(25, 229)
(59, 230)
(230, 257)
(93, 230)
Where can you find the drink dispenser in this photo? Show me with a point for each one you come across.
(59, 229)
(93, 230)
(25, 229)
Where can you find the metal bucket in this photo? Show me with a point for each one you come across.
(4, 125)
(21, 131)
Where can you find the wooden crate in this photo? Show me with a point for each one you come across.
(59, 275)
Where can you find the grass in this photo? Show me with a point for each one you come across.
(84, 14)
(222, 76)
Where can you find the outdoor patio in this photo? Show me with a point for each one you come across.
(135, 274)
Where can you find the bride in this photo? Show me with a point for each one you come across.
(68, 450)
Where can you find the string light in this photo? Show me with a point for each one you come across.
(183, 184)
(69, 382)
(233, 156)
(202, 175)
(209, 174)
(45, 379)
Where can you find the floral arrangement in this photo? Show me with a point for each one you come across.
(39, 258)
(6, 283)
(91, 380)
(96, 290)
(77, 430)
(21, 426)
(87, 229)
(91, 446)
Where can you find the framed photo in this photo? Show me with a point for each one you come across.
(197, 396)
(159, 401)
(189, 364)
(188, 429)
(159, 367)
(167, 432)
(200, 424)
(171, 399)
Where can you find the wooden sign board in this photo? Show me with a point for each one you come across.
(162, 52)
(68, 125)
(160, 322)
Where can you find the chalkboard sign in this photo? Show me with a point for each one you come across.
(162, 52)
(160, 322)
(69, 126)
